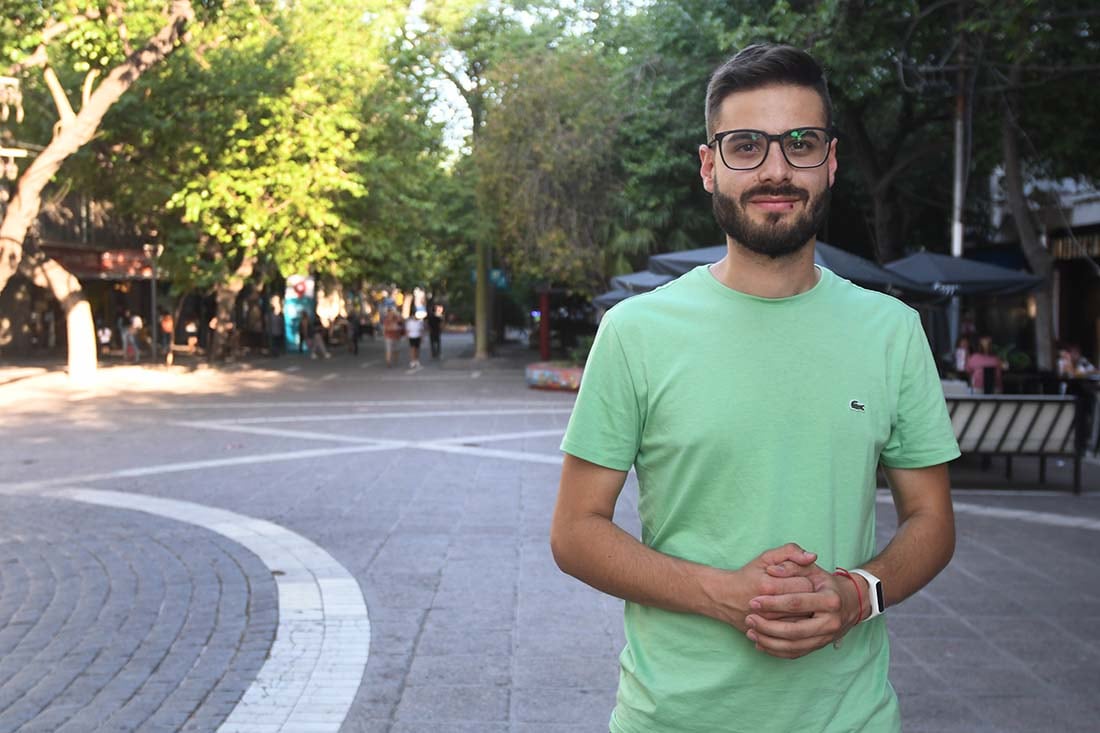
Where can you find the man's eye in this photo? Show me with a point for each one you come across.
(743, 144)
(803, 140)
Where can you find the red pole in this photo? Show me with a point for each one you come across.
(544, 325)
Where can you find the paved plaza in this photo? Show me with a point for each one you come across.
(303, 546)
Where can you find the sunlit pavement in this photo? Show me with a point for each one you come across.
(219, 549)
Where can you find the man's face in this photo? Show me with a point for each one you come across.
(774, 209)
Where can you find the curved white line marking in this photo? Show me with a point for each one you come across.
(322, 640)
(1018, 515)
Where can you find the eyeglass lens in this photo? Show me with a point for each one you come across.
(803, 148)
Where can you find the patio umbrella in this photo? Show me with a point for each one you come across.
(640, 282)
(959, 276)
(845, 264)
(677, 263)
(611, 297)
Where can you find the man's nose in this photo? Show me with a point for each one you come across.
(775, 166)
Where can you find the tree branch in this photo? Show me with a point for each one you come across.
(26, 203)
(49, 33)
(60, 98)
(86, 88)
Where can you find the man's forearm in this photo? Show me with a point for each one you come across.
(603, 555)
(920, 549)
(598, 552)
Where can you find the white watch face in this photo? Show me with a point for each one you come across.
(876, 589)
(878, 602)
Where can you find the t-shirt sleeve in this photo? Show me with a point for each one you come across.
(922, 434)
(606, 425)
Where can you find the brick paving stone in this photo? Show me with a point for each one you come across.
(117, 611)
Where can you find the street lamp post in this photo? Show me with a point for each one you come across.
(153, 252)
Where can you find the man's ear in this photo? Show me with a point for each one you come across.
(706, 167)
(832, 163)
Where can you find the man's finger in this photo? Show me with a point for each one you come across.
(789, 568)
(771, 586)
(782, 617)
(817, 625)
(790, 551)
(796, 603)
(788, 649)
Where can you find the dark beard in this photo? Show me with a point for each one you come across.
(770, 239)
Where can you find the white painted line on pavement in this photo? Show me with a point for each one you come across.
(316, 663)
(490, 453)
(340, 406)
(191, 466)
(1019, 515)
(1030, 493)
(1025, 515)
(344, 417)
(488, 437)
(279, 433)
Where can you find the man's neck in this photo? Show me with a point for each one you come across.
(765, 277)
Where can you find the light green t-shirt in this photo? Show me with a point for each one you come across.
(753, 422)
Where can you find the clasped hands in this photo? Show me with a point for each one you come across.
(794, 607)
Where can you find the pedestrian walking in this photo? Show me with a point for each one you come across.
(317, 345)
(166, 327)
(435, 330)
(134, 328)
(276, 329)
(103, 333)
(755, 398)
(303, 332)
(391, 332)
(414, 329)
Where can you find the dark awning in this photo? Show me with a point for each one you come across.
(959, 276)
(640, 282)
(845, 264)
(611, 297)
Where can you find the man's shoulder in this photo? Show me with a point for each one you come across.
(643, 308)
(861, 300)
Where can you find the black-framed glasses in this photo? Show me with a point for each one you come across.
(802, 147)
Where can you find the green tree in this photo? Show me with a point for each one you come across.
(71, 49)
(548, 173)
(459, 42)
(290, 140)
(1038, 67)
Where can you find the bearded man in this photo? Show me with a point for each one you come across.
(756, 398)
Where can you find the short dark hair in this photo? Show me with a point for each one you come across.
(761, 65)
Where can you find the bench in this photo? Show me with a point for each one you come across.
(1043, 426)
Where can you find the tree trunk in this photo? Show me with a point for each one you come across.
(888, 245)
(24, 206)
(79, 327)
(481, 301)
(225, 338)
(482, 249)
(1040, 259)
(888, 226)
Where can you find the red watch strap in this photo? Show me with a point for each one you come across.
(859, 593)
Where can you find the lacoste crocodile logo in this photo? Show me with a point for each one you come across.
(856, 405)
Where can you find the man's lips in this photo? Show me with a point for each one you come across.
(775, 203)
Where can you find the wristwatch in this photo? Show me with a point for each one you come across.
(875, 598)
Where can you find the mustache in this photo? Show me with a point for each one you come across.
(786, 191)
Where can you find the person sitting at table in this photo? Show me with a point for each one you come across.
(962, 353)
(979, 361)
(1072, 364)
